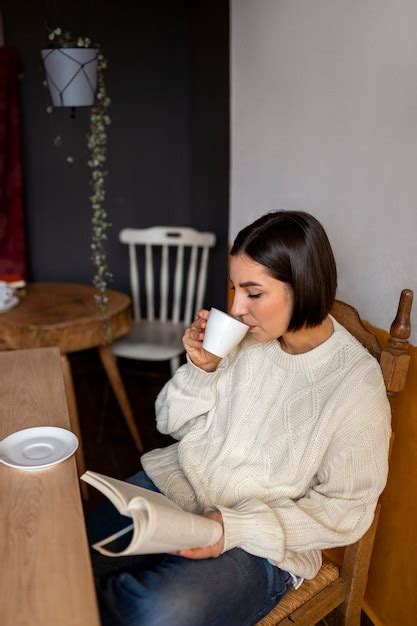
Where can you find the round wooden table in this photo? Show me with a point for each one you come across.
(66, 315)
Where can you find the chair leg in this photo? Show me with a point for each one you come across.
(74, 420)
(174, 363)
(113, 374)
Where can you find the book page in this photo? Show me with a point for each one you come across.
(159, 525)
(121, 493)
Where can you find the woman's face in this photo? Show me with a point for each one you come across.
(261, 301)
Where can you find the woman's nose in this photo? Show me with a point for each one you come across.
(238, 307)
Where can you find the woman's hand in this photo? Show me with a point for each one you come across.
(207, 552)
(193, 343)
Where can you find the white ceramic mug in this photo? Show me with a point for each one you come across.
(223, 333)
(6, 293)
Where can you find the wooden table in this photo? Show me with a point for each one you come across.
(46, 577)
(66, 315)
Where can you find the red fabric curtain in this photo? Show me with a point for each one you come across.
(12, 243)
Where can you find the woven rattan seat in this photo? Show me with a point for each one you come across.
(297, 597)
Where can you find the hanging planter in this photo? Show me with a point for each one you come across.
(71, 74)
(74, 72)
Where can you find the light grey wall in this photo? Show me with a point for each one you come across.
(324, 119)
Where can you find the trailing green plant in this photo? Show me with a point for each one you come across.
(97, 145)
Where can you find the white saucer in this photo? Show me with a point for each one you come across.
(10, 304)
(35, 448)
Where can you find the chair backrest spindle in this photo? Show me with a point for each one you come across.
(149, 282)
(178, 281)
(192, 273)
(202, 279)
(134, 281)
(164, 283)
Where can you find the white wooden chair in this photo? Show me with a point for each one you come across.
(173, 294)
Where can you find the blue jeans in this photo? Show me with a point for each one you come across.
(237, 588)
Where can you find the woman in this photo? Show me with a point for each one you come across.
(284, 442)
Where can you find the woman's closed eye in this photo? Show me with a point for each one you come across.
(249, 295)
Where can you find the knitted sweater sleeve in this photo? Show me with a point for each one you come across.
(338, 507)
(185, 400)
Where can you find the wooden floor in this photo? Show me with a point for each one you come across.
(108, 447)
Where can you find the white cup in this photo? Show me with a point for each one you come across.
(6, 293)
(223, 333)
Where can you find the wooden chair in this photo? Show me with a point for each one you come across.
(172, 297)
(339, 590)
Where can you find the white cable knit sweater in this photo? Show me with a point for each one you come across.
(292, 449)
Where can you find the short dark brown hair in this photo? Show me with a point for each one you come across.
(295, 249)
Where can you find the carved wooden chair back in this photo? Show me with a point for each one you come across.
(338, 589)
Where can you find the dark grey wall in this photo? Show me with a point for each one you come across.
(168, 147)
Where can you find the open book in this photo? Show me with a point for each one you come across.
(158, 524)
